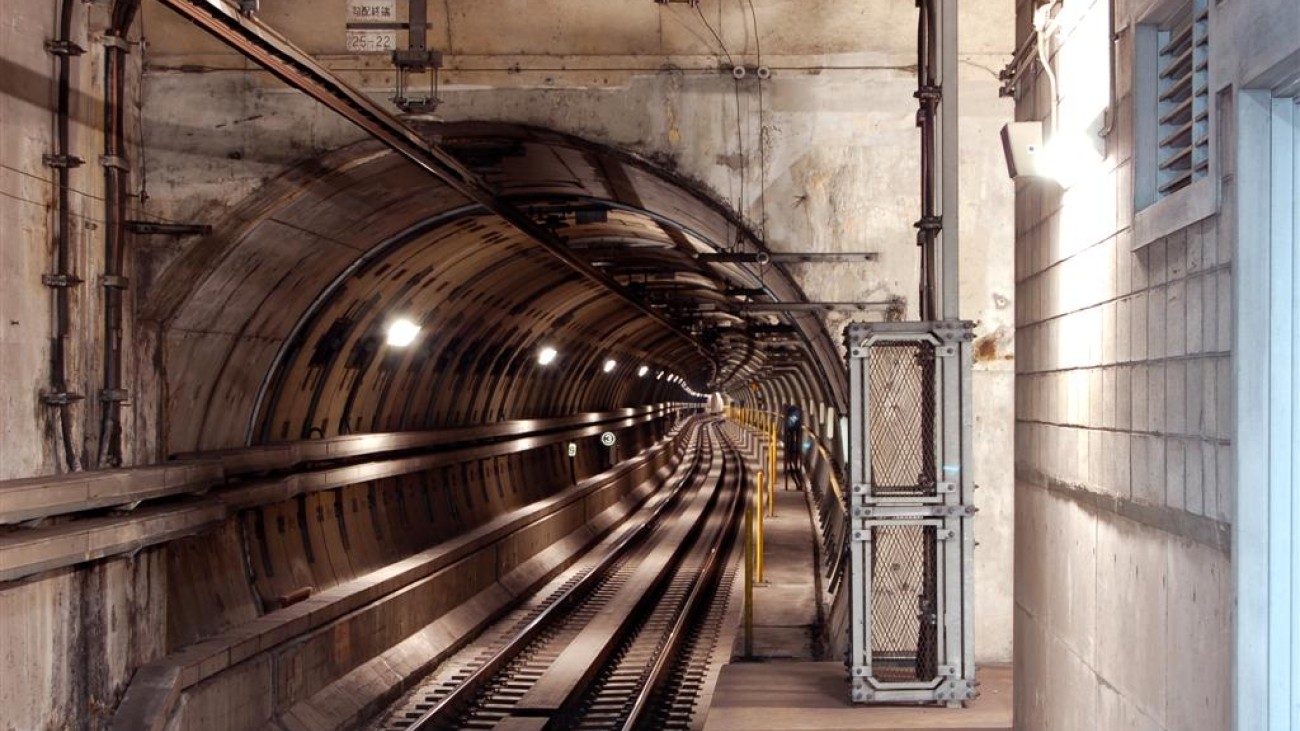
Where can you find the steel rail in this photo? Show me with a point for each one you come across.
(560, 697)
(699, 597)
(261, 44)
(436, 717)
(686, 550)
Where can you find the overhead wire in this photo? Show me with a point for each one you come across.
(762, 128)
(744, 167)
(739, 141)
(716, 37)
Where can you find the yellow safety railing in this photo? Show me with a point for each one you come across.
(761, 506)
(766, 422)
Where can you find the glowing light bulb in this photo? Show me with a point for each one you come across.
(547, 355)
(642, 371)
(401, 333)
(610, 365)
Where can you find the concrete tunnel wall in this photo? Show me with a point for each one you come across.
(216, 143)
(827, 165)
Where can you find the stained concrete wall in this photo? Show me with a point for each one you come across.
(1124, 459)
(27, 196)
(69, 641)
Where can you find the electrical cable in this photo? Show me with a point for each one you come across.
(744, 167)
(716, 37)
(740, 142)
(762, 130)
(1042, 20)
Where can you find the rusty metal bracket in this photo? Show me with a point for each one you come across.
(115, 41)
(60, 280)
(51, 160)
(63, 48)
(60, 399)
(114, 161)
(154, 228)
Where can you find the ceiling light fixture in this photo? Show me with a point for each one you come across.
(610, 365)
(402, 332)
(547, 355)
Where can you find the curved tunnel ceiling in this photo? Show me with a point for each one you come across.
(274, 325)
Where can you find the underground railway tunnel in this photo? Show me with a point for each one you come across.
(335, 401)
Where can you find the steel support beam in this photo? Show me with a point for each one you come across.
(777, 307)
(949, 251)
(262, 45)
(807, 257)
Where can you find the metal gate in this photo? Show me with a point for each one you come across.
(910, 507)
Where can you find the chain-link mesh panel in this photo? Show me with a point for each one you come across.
(902, 420)
(903, 594)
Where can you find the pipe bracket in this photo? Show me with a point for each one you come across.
(114, 161)
(153, 228)
(929, 93)
(63, 398)
(113, 395)
(63, 48)
(114, 281)
(114, 41)
(52, 160)
(60, 280)
(930, 223)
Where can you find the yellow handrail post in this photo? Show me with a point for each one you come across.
(758, 536)
(772, 465)
(749, 581)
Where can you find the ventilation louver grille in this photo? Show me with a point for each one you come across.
(1184, 101)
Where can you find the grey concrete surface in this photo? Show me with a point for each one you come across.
(799, 696)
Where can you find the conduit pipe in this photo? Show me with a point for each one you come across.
(62, 160)
(938, 119)
(928, 94)
(114, 280)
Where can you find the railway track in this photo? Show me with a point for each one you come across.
(619, 640)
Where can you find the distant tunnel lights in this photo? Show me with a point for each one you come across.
(642, 371)
(610, 365)
(546, 355)
(401, 333)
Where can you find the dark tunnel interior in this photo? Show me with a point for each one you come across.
(300, 284)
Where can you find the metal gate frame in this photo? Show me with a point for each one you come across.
(949, 510)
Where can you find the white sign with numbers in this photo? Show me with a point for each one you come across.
(380, 39)
(607, 439)
(371, 41)
(573, 449)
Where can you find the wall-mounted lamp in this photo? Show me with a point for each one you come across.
(1022, 143)
(1062, 159)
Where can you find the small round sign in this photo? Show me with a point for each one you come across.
(607, 439)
